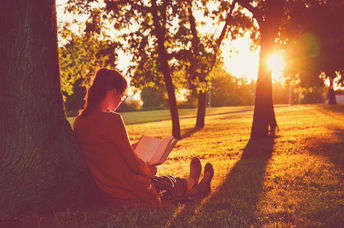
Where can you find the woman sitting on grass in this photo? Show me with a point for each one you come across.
(125, 180)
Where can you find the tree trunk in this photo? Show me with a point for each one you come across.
(264, 121)
(41, 167)
(202, 100)
(196, 70)
(331, 93)
(165, 69)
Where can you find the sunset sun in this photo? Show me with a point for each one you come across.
(277, 64)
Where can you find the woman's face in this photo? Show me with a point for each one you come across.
(115, 98)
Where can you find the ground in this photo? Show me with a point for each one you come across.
(293, 180)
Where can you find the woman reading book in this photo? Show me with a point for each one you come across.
(123, 178)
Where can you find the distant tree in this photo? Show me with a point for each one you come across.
(228, 90)
(313, 95)
(199, 52)
(281, 92)
(41, 168)
(152, 97)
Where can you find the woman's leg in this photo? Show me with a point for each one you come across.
(175, 188)
(204, 186)
(195, 173)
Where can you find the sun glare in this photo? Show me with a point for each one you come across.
(276, 63)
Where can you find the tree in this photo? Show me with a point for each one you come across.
(80, 57)
(228, 90)
(159, 36)
(315, 43)
(40, 167)
(268, 15)
(198, 53)
(160, 33)
(144, 29)
(200, 59)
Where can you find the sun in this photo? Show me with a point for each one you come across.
(277, 64)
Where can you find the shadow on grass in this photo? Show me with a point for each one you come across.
(336, 150)
(234, 202)
(331, 147)
(190, 131)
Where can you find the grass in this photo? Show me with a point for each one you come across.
(159, 115)
(293, 180)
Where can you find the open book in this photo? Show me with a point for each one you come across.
(153, 150)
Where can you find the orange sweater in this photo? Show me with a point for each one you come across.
(117, 170)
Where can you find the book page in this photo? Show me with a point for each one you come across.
(162, 151)
(146, 147)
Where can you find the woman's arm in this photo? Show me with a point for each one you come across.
(119, 136)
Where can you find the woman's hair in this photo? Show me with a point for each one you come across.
(105, 80)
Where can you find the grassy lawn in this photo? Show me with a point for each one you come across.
(158, 115)
(293, 180)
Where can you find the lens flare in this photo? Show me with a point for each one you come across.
(277, 64)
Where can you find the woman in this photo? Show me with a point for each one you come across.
(124, 178)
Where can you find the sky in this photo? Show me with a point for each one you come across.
(240, 62)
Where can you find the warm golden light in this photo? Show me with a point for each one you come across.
(276, 63)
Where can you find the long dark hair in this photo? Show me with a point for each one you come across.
(105, 80)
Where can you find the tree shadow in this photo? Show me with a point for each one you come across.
(189, 132)
(332, 148)
(239, 193)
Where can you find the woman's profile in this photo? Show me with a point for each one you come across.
(123, 178)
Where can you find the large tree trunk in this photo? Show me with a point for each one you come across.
(41, 167)
(264, 121)
(163, 60)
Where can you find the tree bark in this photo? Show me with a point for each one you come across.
(196, 70)
(202, 95)
(264, 121)
(202, 100)
(165, 69)
(41, 167)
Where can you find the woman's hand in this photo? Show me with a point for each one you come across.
(149, 170)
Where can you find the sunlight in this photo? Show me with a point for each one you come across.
(276, 63)
(239, 59)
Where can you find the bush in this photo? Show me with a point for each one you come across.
(186, 104)
(129, 106)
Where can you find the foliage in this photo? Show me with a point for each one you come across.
(227, 90)
(129, 106)
(297, 183)
(315, 38)
(144, 28)
(152, 97)
(80, 57)
(74, 102)
(313, 95)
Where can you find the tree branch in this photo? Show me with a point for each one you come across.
(255, 12)
(227, 21)
(195, 38)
